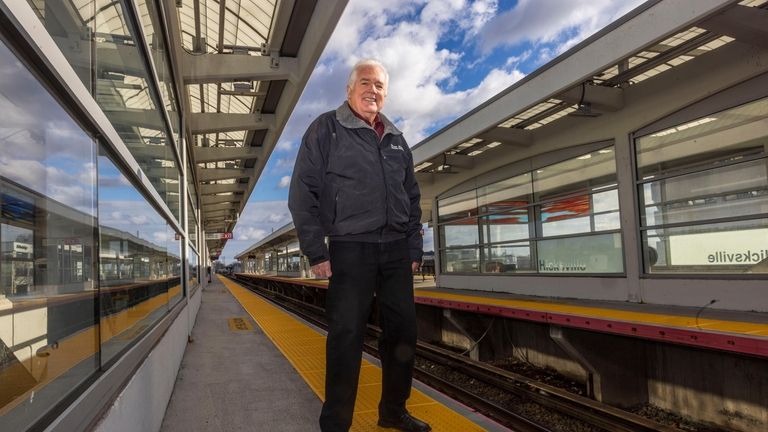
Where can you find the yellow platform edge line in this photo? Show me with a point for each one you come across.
(621, 315)
(263, 313)
(680, 321)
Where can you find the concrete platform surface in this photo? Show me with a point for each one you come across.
(234, 379)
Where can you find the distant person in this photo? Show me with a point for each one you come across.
(354, 182)
(208, 270)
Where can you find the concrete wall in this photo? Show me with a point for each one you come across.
(726, 389)
(141, 405)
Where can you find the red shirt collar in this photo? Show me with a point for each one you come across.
(377, 124)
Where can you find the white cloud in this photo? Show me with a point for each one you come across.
(284, 164)
(548, 21)
(258, 220)
(285, 181)
(284, 146)
(407, 38)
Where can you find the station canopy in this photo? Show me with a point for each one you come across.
(245, 64)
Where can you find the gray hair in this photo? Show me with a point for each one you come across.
(365, 63)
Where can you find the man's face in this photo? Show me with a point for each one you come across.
(367, 93)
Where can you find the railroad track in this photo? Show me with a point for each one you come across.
(565, 403)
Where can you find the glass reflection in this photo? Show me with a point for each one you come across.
(584, 173)
(124, 93)
(572, 198)
(137, 267)
(192, 225)
(504, 195)
(173, 261)
(460, 260)
(509, 258)
(48, 337)
(69, 22)
(457, 207)
(584, 254)
(459, 233)
(152, 25)
(732, 247)
(193, 269)
(505, 227)
(705, 142)
(735, 190)
(99, 41)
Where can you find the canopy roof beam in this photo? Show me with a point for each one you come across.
(201, 123)
(216, 68)
(216, 154)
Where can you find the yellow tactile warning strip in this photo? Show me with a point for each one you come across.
(304, 348)
(746, 328)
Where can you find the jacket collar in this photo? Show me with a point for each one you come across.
(349, 120)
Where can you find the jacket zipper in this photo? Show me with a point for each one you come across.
(384, 178)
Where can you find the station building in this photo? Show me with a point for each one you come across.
(132, 134)
(630, 168)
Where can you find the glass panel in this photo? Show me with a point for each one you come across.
(733, 247)
(192, 226)
(460, 260)
(459, 233)
(734, 190)
(135, 274)
(509, 258)
(152, 24)
(193, 277)
(69, 24)
(705, 142)
(586, 173)
(173, 261)
(566, 216)
(506, 194)
(457, 207)
(48, 333)
(124, 92)
(586, 254)
(505, 226)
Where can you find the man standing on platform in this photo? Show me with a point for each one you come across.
(354, 183)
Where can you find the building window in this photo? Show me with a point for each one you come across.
(560, 218)
(703, 192)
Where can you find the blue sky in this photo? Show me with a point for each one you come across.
(444, 58)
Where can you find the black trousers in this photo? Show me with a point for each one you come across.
(360, 270)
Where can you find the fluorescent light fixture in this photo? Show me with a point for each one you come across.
(604, 187)
(684, 126)
(493, 144)
(475, 153)
(605, 151)
(585, 157)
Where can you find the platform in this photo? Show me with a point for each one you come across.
(705, 327)
(233, 377)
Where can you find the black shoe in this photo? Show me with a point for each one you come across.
(405, 422)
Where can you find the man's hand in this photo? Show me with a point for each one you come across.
(322, 270)
(415, 266)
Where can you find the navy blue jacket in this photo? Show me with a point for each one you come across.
(349, 185)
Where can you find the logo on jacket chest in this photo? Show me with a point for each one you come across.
(396, 147)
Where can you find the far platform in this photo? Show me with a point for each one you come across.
(704, 327)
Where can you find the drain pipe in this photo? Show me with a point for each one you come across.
(556, 333)
(474, 350)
